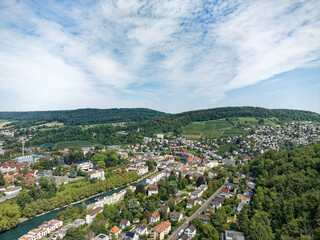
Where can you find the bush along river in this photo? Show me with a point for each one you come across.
(26, 226)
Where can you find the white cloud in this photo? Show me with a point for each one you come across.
(113, 53)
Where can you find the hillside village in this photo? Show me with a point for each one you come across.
(186, 182)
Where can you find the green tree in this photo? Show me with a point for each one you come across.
(140, 189)
(260, 228)
(74, 234)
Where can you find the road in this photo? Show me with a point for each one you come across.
(175, 234)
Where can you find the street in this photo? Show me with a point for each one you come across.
(175, 234)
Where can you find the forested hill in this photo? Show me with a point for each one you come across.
(83, 116)
(286, 204)
(173, 122)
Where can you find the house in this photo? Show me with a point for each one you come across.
(91, 215)
(243, 198)
(190, 203)
(102, 237)
(176, 216)
(136, 220)
(203, 218)
(164, 208)
(216, 204)
(250, 183)
(160, 230)
(99, 174)
(89, 235)
(153, 189)
(141, 229)
(131, 236)
(208, 211)
(233, 235)
(236, 181)
(124, 223)
(225, 193)
(190, 231)
(199, 201)
(115, 231)
(155, 217)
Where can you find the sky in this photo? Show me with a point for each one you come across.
(171, 56)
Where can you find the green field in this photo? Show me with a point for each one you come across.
(255, 121)
(210, 129)
(85, 127)
(79, 144)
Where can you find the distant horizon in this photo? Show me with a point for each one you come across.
(157, 110)
(173, 56)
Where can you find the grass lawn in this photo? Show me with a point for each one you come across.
(210, 129)
(80, 144)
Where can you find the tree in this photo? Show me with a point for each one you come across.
(23, 198)
(219, 218)
(134, 206)
(201, 180)
(72, 173)
(260, 228)
(2, 181)
(140, 189)
(210, 232)
(74, 234)
(147, 215)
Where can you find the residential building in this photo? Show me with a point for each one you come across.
(190, 231)
(153, 189)
(160, 230)
(99, 174)
(155, 217)
(141, 229)
(91, 215)
(115, 231)
(176, 216)
(124, 223)
(233, 235)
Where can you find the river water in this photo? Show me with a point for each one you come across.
(26, 226)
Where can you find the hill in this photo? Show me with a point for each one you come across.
(174, 122)
(82, 116)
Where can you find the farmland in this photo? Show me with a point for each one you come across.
(3, 123)
(210, 129)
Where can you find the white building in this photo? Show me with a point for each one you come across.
(91, 215)
(99, 174)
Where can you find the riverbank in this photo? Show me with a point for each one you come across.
(87, 198)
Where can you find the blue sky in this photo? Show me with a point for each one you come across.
(171, 56)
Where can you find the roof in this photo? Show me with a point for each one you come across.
(155, 215)
(142, 226)
(192, 227)
(124, 222)
(95, 211)
(243, 197)
(203, 217)
(114, 230)
(225, 190)
(153, 187)
(176, 214)
(162, 226)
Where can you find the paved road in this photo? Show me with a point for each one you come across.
(175, 234)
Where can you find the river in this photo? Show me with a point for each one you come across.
(26, 226)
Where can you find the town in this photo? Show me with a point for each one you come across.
(183, 184)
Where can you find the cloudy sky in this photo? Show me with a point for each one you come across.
(166, 55)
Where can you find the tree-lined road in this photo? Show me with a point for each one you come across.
(175, 234)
